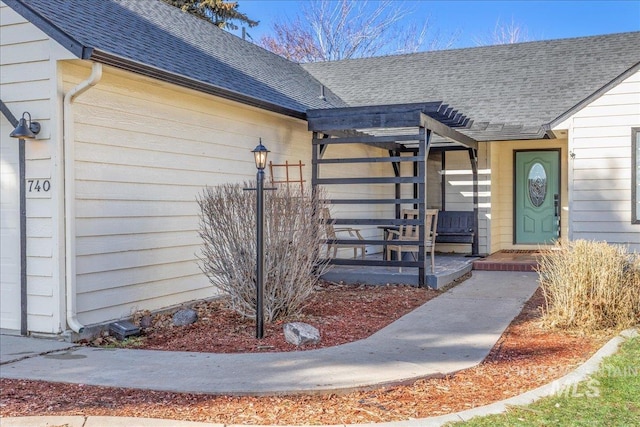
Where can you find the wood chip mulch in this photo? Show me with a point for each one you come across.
(524, 358)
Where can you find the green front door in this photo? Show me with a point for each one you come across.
(537, 197)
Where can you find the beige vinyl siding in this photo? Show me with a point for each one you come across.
(502, 158)
(144, 151)
(28, 83)
(600, 142)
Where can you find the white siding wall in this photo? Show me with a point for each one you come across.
(484, 198)
(10, 257)
(28, 83)
(144, 151)
(600, 171)
(458, 182)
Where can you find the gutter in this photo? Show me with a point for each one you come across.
(70, 193)
(142, 69)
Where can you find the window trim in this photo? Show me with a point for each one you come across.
(635, 179)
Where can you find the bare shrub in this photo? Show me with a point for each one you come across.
(590, 286)
(292, 241)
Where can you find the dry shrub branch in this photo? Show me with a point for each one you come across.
(590, 286)
(292, 241)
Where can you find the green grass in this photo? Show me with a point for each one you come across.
(610, 397)
(131, 342)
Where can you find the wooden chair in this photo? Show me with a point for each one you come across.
(410, 232)
(332, 232)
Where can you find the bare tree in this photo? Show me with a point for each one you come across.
(342, 29)
(504, 34)
(292, 41)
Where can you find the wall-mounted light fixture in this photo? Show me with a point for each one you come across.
(26, 129)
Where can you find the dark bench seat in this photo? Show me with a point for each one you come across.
(455, 227)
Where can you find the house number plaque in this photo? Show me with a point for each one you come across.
(38, 188)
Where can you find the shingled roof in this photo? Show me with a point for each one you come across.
(155, 39)
(515, 91)
(509, 91)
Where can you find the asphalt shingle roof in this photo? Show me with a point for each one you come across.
(525, 84)
(506, 90)
(154, 34)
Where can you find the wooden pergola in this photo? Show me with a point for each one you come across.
(407, 132)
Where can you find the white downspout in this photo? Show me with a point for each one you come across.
(70, 194)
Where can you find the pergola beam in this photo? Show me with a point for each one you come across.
(377, 116)
(405, 128)
(446, 132)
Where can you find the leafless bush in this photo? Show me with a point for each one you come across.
(590, 286)
(292, 242)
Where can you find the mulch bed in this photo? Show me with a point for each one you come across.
(525, 357)
(342, 314)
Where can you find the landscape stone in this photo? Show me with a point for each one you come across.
(299, 333)
(146, 322)
(185, 317)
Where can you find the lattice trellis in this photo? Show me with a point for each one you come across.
(287, 173)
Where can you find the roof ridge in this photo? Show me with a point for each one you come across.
(475, 48)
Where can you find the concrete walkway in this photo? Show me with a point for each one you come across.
(569, 380)
(451, 332)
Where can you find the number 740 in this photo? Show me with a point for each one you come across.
(37, 185)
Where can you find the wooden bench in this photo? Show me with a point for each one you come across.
(455, 227)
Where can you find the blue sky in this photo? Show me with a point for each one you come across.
(542, 20)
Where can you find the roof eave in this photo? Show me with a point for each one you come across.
(72, 45)
(179, 80)
(90, 53)
(549, 127)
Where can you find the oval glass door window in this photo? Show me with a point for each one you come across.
(537, 184)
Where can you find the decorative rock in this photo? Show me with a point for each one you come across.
(299, 333)
(185, 317)
(146, 322)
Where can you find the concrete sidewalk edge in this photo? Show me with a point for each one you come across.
(579, 374)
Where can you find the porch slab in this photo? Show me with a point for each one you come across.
(449, 267)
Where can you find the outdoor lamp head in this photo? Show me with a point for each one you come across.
(26, 129)
(260, 154)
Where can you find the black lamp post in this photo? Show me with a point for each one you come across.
(260, 153)
(26, 129)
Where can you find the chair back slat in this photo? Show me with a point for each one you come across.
(409, 231)
(431, 225)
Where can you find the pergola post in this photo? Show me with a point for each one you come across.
(423, 153)
(473, 158)
(397, 186)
